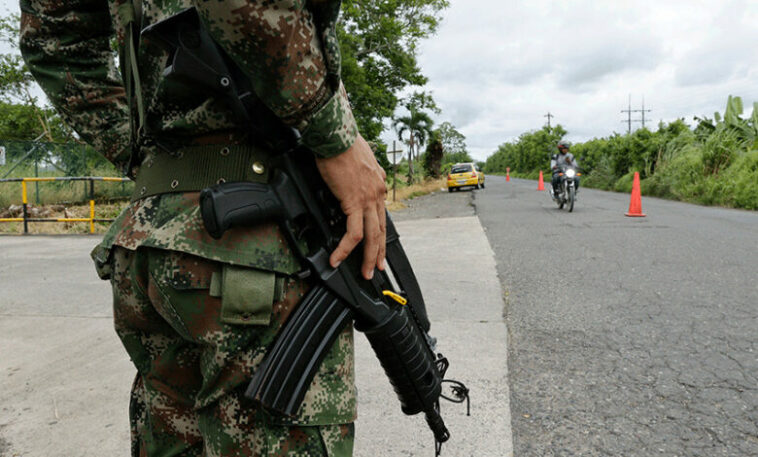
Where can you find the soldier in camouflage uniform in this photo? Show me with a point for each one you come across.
(195, 314)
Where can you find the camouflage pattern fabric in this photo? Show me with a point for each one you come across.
(173, 222)
(288, 49)
(193, 366)
(66, 46)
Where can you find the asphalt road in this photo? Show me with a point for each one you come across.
(628, 336)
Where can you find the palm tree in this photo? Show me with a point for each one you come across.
(419, 128)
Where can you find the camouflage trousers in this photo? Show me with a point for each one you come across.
(194, 359)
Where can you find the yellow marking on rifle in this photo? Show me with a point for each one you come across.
(395, 297)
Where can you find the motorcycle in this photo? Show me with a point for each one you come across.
(567, 190)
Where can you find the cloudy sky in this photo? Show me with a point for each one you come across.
(496, 67)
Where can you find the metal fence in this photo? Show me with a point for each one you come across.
(26, 219)
(39, 159)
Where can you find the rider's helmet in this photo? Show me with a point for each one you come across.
(563, 146)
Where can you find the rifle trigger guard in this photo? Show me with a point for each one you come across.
(304, 274)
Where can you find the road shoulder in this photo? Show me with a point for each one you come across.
(64, 371)
(456, 270)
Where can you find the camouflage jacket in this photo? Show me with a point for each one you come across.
(288, 49)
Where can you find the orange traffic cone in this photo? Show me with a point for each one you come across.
(540, 183)
(635, 204)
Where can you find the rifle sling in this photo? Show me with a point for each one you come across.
(405, 277)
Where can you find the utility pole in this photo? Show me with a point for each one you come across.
(548, 116)
(629, 112)
(643, 111)
(394, 153)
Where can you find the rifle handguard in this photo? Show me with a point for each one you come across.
(410, 367)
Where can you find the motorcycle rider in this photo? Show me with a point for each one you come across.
(558, 162)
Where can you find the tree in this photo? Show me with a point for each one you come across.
(432, 158)
(530, 153)
(418, 125)
(421, 101)
(453, 144)
(378, 40)
(24, 119)
(19, 107)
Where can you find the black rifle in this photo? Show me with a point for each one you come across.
(394, 321)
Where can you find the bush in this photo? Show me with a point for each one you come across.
(714, 164)
(740, 181)
(624, 184)
(601, 175)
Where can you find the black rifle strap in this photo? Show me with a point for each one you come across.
(405, 277)
(132, 11)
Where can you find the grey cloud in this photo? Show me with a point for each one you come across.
(715, 63)
(574, 62)
(726, 50)
(584, 70)
(496, 74)
(586, 60)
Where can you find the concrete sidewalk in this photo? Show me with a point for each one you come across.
(64, 377)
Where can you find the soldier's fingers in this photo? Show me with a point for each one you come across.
(352, 237)
(381, 212)
(370, 243)
(382, 173)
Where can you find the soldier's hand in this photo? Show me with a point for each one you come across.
(357, 180)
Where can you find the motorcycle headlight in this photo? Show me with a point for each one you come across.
(570, 173)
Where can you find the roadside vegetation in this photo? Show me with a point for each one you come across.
(409, 192)
(714, 162)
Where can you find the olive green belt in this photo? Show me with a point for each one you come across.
(194, 168)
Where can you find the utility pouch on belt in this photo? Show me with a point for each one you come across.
(247, 294)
